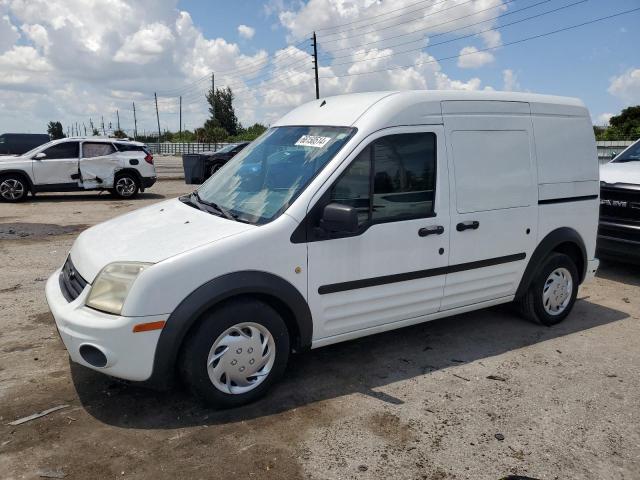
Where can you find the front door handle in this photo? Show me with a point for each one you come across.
(462, 226)
(432, 230)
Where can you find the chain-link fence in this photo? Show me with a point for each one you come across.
(168, 148)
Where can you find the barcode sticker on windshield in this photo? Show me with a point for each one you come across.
(312, 141)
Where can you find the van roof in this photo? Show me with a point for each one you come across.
(347, 110)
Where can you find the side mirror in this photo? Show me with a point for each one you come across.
(40, 156)
(339, 218)
(614, 155)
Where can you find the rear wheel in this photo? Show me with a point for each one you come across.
(13, 188)
(125, 185)
(236, 353)
(214, 168)
(553, 292)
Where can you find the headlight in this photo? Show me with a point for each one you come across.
(112, 285)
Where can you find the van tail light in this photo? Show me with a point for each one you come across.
(149, 158)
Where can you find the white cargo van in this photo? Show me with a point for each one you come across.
(350, 216)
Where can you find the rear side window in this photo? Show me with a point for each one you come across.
(128, 147)
(91, 150)
(393, 178)
(63, 150)
(492, 169)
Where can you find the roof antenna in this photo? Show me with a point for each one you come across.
(324, 102)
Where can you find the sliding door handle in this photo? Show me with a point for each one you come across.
(462, 226)
(432, 230)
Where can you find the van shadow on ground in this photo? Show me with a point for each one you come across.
(358, 366)
(627, 273)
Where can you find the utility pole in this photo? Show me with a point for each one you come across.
(213, 92)
(85, 128)
(118, 116)
(135, 122)
(315, 63)
(180, 129)
(157, 115)
(104, 134)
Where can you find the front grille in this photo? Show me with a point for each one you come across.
(620, 204)
(71, 282)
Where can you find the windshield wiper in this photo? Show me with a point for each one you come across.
(228, 215)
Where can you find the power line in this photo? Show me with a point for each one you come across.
(534, 37)
(377, 29)
(463, 36)
(425, 29)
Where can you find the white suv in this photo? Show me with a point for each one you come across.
(350, 216)
(75, 164)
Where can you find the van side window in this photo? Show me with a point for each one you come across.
(63, 150)
(91, 150)
(402, 185)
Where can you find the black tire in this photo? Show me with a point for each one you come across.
(531, 305)
(125, 185)
(13, 188)
(198, 344)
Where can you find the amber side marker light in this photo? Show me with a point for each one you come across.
(146, 327)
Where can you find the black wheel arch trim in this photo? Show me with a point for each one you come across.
(548, 244)
(215, 291)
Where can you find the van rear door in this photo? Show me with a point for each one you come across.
(493, 183)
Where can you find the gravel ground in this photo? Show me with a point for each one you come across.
(483, 395)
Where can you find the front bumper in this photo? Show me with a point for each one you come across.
(128, 355)
(619, 240)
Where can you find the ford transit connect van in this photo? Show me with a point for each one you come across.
(350, 216)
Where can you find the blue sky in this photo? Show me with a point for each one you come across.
(579, 62)
(80, 60)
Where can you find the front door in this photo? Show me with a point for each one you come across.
(59, 167)
(392, 269)
(494, 207)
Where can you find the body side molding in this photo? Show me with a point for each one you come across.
(191, 308)
(432, 272)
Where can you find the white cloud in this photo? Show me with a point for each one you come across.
(69, 60)
(246, 32)
(145, 45)
(627, 86)
(37, 34)
(470, 57)
(602, 119)
(510, 81)
(8, 34)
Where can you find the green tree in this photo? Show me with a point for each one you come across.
(54, 129)
(119, 134)
(221, 110)
(627, 124)
(95, 133)
(249, 134)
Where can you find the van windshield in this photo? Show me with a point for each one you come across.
(261, 181)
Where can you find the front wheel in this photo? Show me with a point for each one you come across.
(236, 353)
(125, 185)
(553, 292)
(13, 188)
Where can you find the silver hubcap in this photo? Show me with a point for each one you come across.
(11, 189)
(125, 186)
(557, 291)
(241, 358)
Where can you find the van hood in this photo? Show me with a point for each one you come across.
(151, 234)
(623, 172)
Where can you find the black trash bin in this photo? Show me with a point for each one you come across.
(193, 164)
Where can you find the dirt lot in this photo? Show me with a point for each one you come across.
(411, 404)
